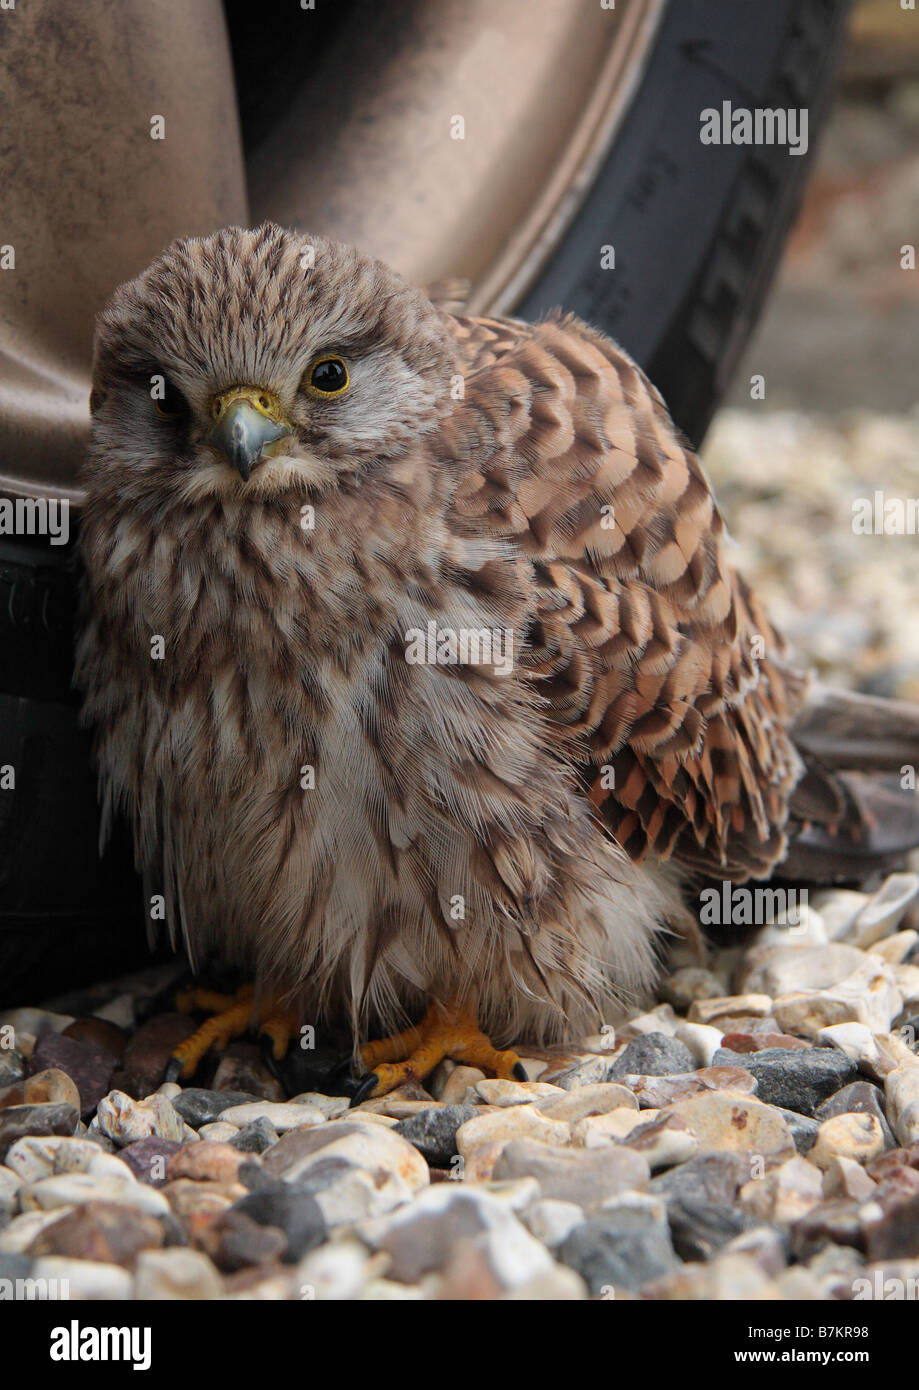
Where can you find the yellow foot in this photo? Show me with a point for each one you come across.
(445, 1031)
(234, 1015)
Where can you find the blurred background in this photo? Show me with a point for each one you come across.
(838, 345)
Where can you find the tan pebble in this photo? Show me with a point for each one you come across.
(734, 1121)
(882, 914)
(396, 1108)
(551, 1220)
(175, 1274)
(614, 1125)
(331, 1106)
(206, 1162)
(588, 1070)
(798, 1285)
(854, 1039)
(895, 948)
(51, 1085)
(907, 981)
(196, 1203)
(664, 1140)
(478, 1165)
(283, 1115)
(219, 1131)
(779, 970)
(69, 1189)
(587, 1100)
(457, 1084)
(40, 1156)
(845, 1177)
(659, 1020)
(730, 1006)
(16, 1238)
(702, 1040)
(126, 1120)
(92, 1280)
(894, 1053)
(516, 1193)
(868, 995)
(901, 1088)
(373, 1117)
(495, 1091)
(515, 1122)
(839, 907)
(808, 928)
(851, 1135)
(727, 1277)
(785, 1193)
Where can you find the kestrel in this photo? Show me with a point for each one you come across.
(414, 656)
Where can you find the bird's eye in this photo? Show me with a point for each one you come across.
(328, 376)
(168, 400)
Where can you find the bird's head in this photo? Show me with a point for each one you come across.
(256, 362)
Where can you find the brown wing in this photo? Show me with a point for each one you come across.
(649, 648)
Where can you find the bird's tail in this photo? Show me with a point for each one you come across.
(855, 812)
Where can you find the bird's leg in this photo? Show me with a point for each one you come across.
(234, 1014)
(447, 1030)
(392, 1049)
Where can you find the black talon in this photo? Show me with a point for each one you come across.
(365, 1089)
(173, 1069)
(519, 1072)
(266, 1047)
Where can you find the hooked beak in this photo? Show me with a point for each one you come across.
(246, 420)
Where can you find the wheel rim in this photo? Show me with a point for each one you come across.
(388, 176)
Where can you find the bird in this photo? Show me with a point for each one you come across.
(415, 659)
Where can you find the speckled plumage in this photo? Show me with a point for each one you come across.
(482, 474)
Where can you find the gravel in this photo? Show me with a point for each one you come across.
(777, 1157)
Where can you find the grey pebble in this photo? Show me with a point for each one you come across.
(699, 1228)
(433, 1132)
(585, 1176)
(293, 1211)
(793, 1078)
(255, 1137)
(652, 1054)
(52, 1117)
(14, 1266)
(626, 1247)
(708, 1178)
(803, 1129)
(12, 1067)
(198, 1106)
